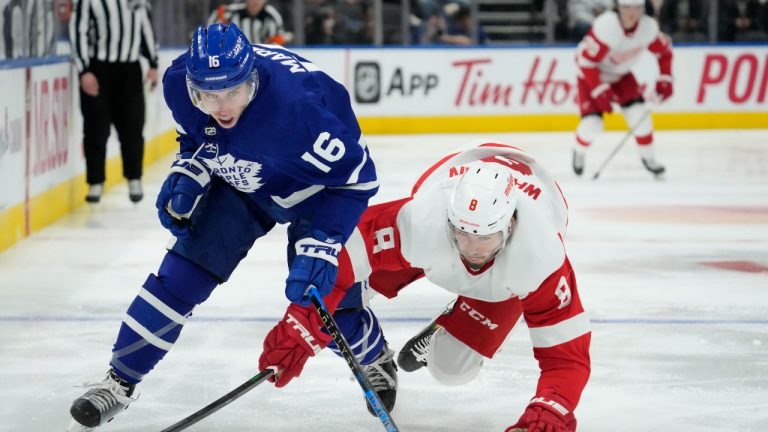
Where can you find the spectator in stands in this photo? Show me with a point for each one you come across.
(685, 20)
(458, 26)
(581, 14)
(261, 22)
(740, 20)
(322, 23)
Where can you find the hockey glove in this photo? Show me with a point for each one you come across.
(291, 342)
(316, 264)
(602, 96)
(180, 193)
(545, 414)
(664, 87)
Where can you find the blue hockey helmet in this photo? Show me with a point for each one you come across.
(220, 58)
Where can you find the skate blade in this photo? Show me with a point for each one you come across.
(74, 426)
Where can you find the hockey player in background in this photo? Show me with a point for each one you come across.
(604, 58)
(487, 224)
(265, 138)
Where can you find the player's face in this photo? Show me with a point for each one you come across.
(477, 249)
(630, 15)
(225, 106)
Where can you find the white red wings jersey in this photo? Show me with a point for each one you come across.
(531, 275)
(414, 233)
(609, 52)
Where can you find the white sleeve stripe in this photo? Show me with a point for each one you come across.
(162, 307)
(356, 172)
(358, 255)
(297, 197)
(359, 186)
(549, 336)
(146, 334)
(310, 67)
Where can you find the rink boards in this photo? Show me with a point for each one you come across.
(393, 91)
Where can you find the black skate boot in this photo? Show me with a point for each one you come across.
(382, 374)
(654, 167)
(578, 162)
(102, 403)
(413, 356)
(94, 193)
(135, 191)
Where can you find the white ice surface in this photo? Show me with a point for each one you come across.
(677, 345)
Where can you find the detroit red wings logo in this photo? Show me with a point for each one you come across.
(510, 163)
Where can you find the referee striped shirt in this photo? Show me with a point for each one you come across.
(111, 31)
(261, 28)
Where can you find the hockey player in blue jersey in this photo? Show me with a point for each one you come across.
(265, 137)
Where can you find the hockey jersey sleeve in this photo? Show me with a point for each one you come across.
(78, 35)
(661, 47)
(560, 333)
(324, 153)
(589, 53)
(149, 45)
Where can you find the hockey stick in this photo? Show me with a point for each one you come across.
(621, 143)
(349, 356)
(221, 402)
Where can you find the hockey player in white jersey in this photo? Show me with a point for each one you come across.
(487, 224)
(605, 58)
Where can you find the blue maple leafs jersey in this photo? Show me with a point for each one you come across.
(297, 149)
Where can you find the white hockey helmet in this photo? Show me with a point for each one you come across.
(483, 201)
(631, 2)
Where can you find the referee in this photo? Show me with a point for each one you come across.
(107, 37)
(261, 22)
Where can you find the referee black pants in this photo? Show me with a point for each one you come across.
(120, 102)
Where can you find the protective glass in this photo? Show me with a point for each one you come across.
(233, 98)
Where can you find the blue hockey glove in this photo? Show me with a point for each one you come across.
(316, 264)
(180, 193)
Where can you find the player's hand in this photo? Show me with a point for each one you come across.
(602, 96)
(151, 78)
(664, 87)
(291, 342)
(316, 264)
(545, 414)
(90, 84)
(180, 193)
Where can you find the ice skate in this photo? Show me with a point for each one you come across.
(94, 193)
(654, 167)
(102, 403)
(382, 374)
(578, 162)
(135, 191)
(413, 356)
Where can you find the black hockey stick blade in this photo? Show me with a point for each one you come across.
(221, 402)
(354, 365)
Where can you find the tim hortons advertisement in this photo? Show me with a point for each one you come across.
(503, 81)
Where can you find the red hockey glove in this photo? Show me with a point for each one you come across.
(664, 87)
(602, 96)
(545, 414)
(291, 342)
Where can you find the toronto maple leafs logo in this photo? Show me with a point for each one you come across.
(242, 174)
